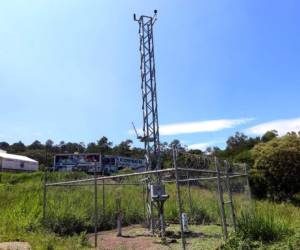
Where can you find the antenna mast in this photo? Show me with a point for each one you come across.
(150, 136)
(156, 195)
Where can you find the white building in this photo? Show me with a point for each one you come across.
(17, 163)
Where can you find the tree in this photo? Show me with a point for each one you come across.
(104, 145)
(36, 145)
(49, 145)
(269, 135)
(62, 146)
(72, 147)
(92, 148)
(17, 147)
(237, 142)
(124, 148)
(277, 166)
(4, 146)
(81, 147)
(237, 147)
(195, 152)
(177, 144)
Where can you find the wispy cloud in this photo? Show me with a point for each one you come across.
(282, 126)
(199, 126)
(202, 146)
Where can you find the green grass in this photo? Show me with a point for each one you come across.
(70, 214)
(21, 214)
(259, 226)
(267, 226)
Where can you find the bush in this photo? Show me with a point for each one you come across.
(277, 167)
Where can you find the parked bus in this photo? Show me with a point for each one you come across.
(89, 161)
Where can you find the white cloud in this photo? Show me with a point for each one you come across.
(201, 126)
(202, 146)
(282, 126)
(198, 127)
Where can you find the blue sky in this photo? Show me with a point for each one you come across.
(69, 70)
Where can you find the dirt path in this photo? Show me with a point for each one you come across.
(201, 237)
(134, 238)
(16, 245)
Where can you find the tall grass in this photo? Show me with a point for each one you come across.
(70, 211)
(262, 226)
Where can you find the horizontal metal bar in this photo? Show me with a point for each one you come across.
(100, 184)
(197, 170)
(206, 178)
(111, 177)
(143, 173)
(207, 171)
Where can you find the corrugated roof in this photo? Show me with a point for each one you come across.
(16, 157)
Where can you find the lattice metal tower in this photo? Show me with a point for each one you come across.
(150, 136)
(156, 196)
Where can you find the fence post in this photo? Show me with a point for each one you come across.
(144, 201)
(221, 200)
(119, 215)
(1, 170)
(178, 196)
(230, 196)
(44, 196)
(248, 189)
(189, 193)
(103, 191)
(96, 206)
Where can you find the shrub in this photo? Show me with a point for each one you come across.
(277, 167)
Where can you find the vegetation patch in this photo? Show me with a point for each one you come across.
(260, 226)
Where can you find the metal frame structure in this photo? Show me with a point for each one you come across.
(150, 136)
(180, 176)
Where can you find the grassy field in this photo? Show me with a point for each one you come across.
(70, 215)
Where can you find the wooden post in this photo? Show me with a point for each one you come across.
(233, 217)
(96, 206)
(119, 215)
(221, 200)
(189, 193)
(178, 196)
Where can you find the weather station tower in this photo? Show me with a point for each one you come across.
(150, 136)
(155, 190)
